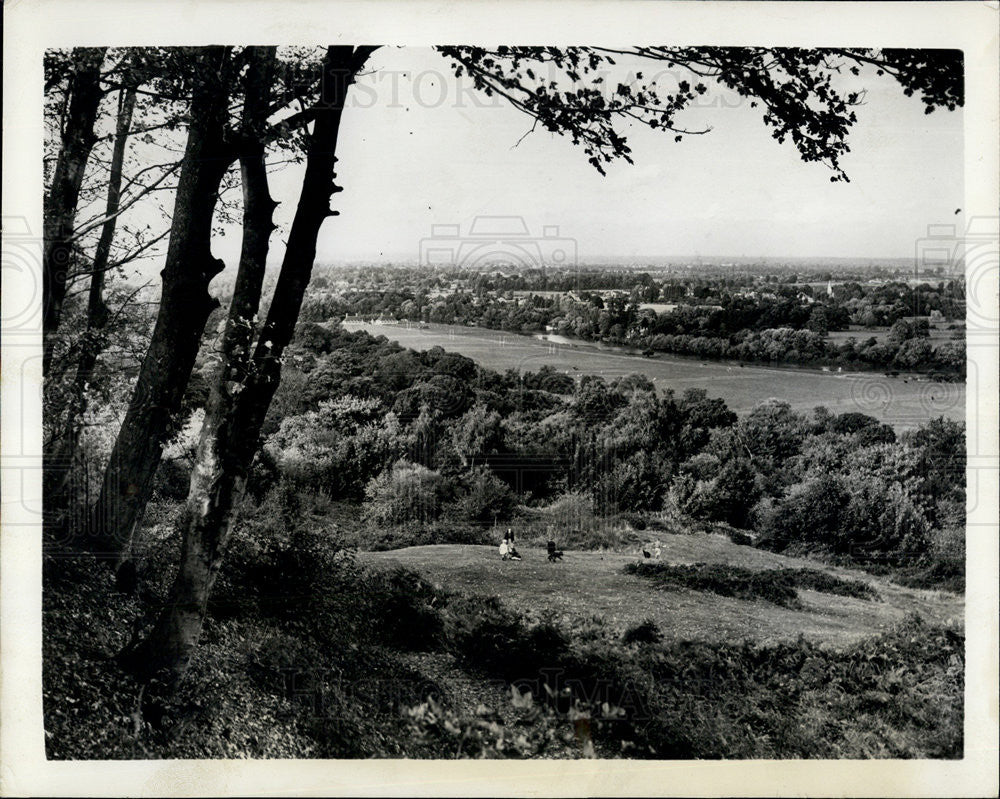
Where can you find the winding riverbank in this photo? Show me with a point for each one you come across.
(903, 402)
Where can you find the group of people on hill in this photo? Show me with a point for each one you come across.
(509, 552)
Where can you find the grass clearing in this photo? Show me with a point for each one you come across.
(588, 584)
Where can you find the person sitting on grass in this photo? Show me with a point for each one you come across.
(508, 545)
(554, 554)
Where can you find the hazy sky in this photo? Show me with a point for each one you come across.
(415, 150)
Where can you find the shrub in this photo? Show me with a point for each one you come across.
(733, 581)
(933, 573)
(741, 538)
(635, 521)
(601, 534)
(418, 535)
(485, 498)
(645, 632)
(573, 510)
(484, 635)
(816, 580)
(407, 492)
(774, 585)
(408, 611)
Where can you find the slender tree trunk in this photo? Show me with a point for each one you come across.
(242, 395)
(185, 305)
(59, 456)
(61, 201)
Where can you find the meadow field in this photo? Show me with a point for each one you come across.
(586, 584)
(902, 402)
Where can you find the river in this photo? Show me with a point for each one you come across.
(903, 402)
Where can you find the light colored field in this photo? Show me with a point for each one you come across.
(585, 584)
(901, 401)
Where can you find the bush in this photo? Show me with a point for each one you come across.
(408, 492)
(774, 585)
(635, 521)
(485, 636)
(485, 498)
(733, 581)
(408, 610)
(934, 573)
(570, 511)
(816, 580)
(645, 632)
(418, 535)
(741, 538)
(571, 523)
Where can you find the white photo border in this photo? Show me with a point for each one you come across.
(32, 26)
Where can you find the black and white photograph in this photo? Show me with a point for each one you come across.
(583, 401)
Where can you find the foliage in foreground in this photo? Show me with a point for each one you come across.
(895, 695)
(302, 656)
(307, 654)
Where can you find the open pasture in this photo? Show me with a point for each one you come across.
(588, 584)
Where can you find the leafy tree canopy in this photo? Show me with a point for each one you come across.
(570, 90)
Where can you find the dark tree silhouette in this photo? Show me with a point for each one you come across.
(84, 93)
(568, 91)
(246, 384)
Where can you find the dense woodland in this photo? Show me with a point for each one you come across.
(215, 464)
(422, 440)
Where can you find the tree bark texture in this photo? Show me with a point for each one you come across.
(243, 393)
(185, 305)
(61, 201)
(59, 455)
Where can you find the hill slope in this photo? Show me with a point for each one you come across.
(592, 583)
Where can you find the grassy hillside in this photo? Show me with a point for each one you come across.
(586, 584)
(447, 651)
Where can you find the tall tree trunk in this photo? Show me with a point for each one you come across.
(78, 140)
(60, 454)
(242, 395)
(185, 305)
